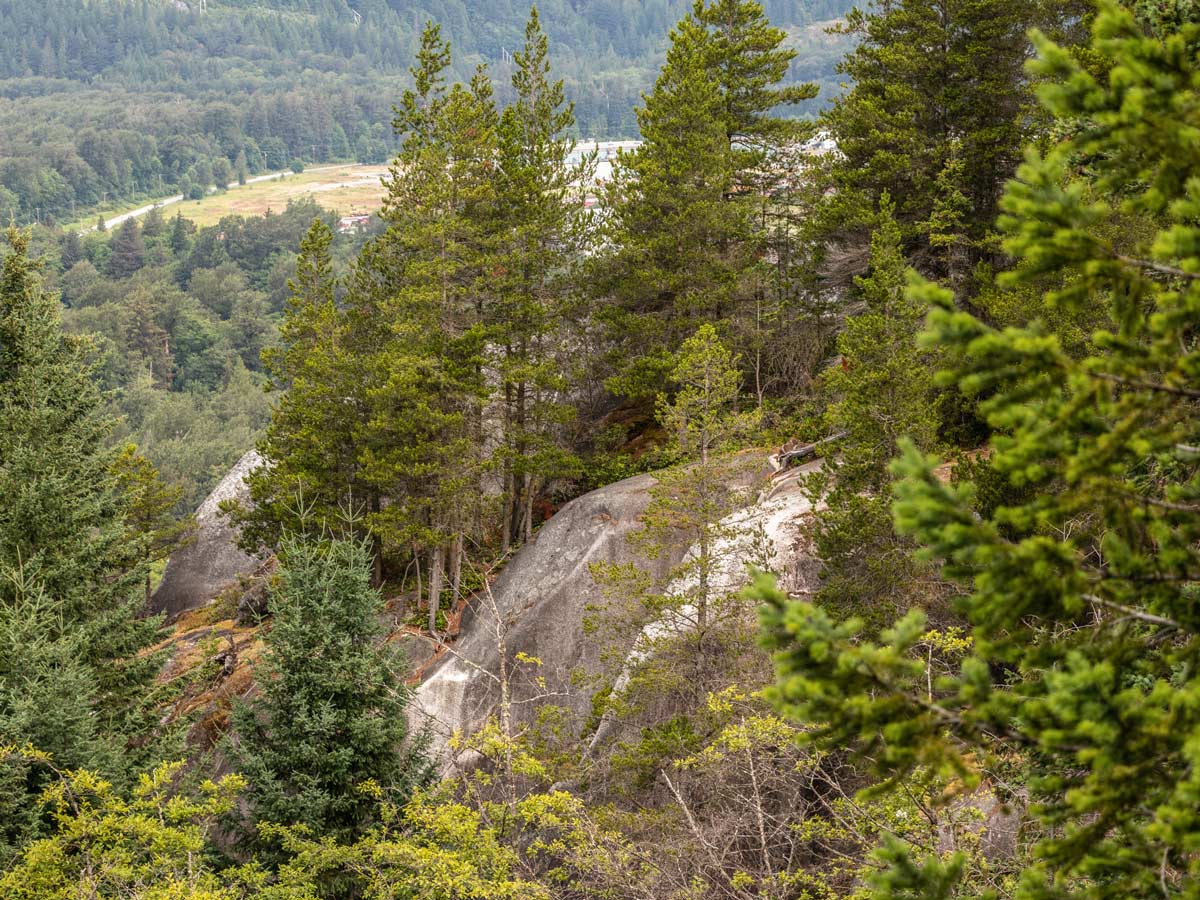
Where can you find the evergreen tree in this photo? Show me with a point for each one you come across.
(542, 227)
(677, 234)
(423, 445)
(330, 715)
(48, 700)
(313, 478)
(152, 503)
(70, 565)
(939, 106)
(154, 225)
(128, 250)
(748, 60)
(72, 250)
(180, 233)
(1080, 585)
(686, 207)
(880, 391)
(682, 629)
(63, 520)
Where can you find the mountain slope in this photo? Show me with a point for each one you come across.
(107, 99)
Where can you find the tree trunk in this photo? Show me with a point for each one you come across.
(420, 586)
(527, 510)
(436, 567)
(509, 483)
(377, 548)
(456, 569)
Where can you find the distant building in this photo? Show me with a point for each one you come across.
(353, 224)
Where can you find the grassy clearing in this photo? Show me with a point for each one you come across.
(346, 190)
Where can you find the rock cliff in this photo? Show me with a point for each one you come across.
(543, 595)
(211, 561)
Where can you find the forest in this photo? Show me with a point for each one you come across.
(794, 519)
(104, 101)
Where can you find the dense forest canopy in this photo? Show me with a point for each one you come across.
(113, 99)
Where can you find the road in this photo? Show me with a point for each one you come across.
(109, 224)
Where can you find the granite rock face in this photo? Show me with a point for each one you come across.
(212, 560)
(544, 593)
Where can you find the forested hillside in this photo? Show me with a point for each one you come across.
(763, 524)
(110, 99)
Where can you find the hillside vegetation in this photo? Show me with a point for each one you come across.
(104, 100)
(901, 603)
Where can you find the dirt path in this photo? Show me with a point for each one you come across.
(109, 224)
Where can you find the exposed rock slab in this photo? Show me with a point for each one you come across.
(212, 560)
(544, 594)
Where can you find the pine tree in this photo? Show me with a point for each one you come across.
(179, 239)
(1080, 585)
(686, 220)
(678, 238)
(680, 628)
(330, 714)
(543, 228)
(314, 475)
(151, 515)
(748, 60)
(939, 104)
(422, 446)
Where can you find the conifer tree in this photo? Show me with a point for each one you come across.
(748, 60)
(48, 700)
(151, 515)
(678, 239)
(179, 238)
(314, 475)
(154, 225)
(71, 567)
(880, 391)
(685, 221)
(422, 447)
(331, 712)
(679, 627)
(939, 107)
(63, 520)
(543, 228)
(128, 250)
(1080, 586)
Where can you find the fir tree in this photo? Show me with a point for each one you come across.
(331, 712)
(314, 474)
(180, 233)
(687, 206)
(70, 565)
(880, 391)
(128, 250)
(939, 106)
(63, 520)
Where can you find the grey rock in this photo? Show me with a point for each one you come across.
(544, 593)
(212, 560)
